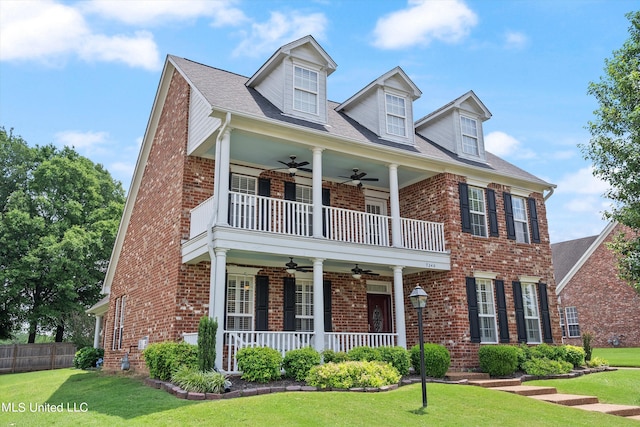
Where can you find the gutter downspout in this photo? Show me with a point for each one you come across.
(551, 190)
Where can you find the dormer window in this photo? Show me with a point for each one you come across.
(469, 136)
(305, 90)
(396, 115)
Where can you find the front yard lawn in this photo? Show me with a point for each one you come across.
(113, 400)
(629, 356)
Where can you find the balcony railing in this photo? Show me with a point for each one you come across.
(265, 214)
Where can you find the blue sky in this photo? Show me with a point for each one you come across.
(85, 73)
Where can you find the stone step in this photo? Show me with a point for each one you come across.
(496, 383)
(567, 399)
(634, 417)
(457, 376)
(527, 390)
(611, 409)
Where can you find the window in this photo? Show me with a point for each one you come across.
(304, 305)
(396, 115)
(304, 194)
(486, 311)
(531, 315)
(239, 302)
(572, 322)
(118, 323)
(477, 212)
(520, 219)
(305, 90)
(469, 136)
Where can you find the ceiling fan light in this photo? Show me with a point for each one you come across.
(291, 270)
(356, 276)
(356, 181)
(293, 170)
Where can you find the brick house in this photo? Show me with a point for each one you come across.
(591, 297)
(296, 221)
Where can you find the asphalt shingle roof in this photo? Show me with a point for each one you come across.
(566, 254)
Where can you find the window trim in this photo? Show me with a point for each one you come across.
(473, 212)
(569, 323)
(250, 314)
(118, 323)
(533, 307)
(524, 222)
(489, 291)
(475, 137)
(396, 115)
(297, 88)
(301, 318)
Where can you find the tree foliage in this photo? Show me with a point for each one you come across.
(59, 215)
(614, 147)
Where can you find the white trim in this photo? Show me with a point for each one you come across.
(242, 271)
(485, 275)
(245, 170)
(529, 279)
(384, 283)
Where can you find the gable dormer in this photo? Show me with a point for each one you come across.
(457, 127)
(294, 79)
(385, 106)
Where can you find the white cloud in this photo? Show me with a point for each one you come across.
(563, 155)
(515, 40)
(86, 142)
(423, 21)
(504, 145)
(139, 51)
(582, 182)
(278, 30)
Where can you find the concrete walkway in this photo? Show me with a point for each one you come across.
(550, 394)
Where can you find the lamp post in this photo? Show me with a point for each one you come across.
(418, 299)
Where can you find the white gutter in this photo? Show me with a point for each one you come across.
(551, 190)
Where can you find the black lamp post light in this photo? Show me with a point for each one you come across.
(418, 299)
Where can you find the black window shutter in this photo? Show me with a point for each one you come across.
(289, 304)
(262, 303)
(533, 219)
(508, 214)
(327, 305)
(493, 213)
(290, 190)
(544, 311)
(465, 215)
(472, 301)
(326, 201)
(503, 321)
(264, 187)
(520, 323)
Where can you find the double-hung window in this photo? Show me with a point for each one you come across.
(304, 305)
(531, 313)
(118, 323)
(477, 211)
(396, 115)
(520, 219)
(486, 311)
(305, 90)
(573, 327)
(469, 129)
(240, 302)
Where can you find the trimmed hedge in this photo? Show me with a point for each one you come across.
(498, 360)
(351, 374)
(87, 357)
(542, 367)
(397, 357)
(164, 358)
(574, 355)
(334, 356)
(363, 354)
(260, 364)
(297, 363)
(436, 360)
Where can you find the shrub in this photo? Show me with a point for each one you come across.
(353, 374)
(574, 355)
(363, 354)
(524, 354)
(546, 351)
(261, 364)
(87, 357)
(398, 357)
(597, 362)
(436, 360)
(296, 363)
(586, 345)
(499, 360)
(164, 358)
(207, 330)
(334, 356)
(192, 379)
(542, 367)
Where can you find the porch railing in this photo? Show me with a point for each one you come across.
(422, 235)
(200, 217)
(345, 225)
(345, 341)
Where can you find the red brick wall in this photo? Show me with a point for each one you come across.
(606, 305)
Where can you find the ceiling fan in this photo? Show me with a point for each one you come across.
(358, 177)
(357, 272)
(293, 167)
(291, 267)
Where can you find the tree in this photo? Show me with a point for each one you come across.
(614, 147)
(57, 228)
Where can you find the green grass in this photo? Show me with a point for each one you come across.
(620, 356)
(118, 400)
(621, 387)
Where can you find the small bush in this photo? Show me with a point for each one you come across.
(164, 358)
(207, 329)
(260, 364)
(192, 379)
(353, 374)
(296, 363)
(587, 337)
(574, 355)
(397, 357)
(524, 354)
(334, 356)
(87, 357)
(499, 360)
(542, 367)
(436, 360)
(363, 354)
(597, 362)
(546, 351)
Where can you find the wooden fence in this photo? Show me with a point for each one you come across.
(36, 357)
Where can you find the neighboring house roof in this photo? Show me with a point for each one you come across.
(99, 308)
(570, 256)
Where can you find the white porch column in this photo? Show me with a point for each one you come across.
(398, 295)
(318, 304)
(218, 302)
(394, 193)
(96, 333)
(223, 164)
(317, 191)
